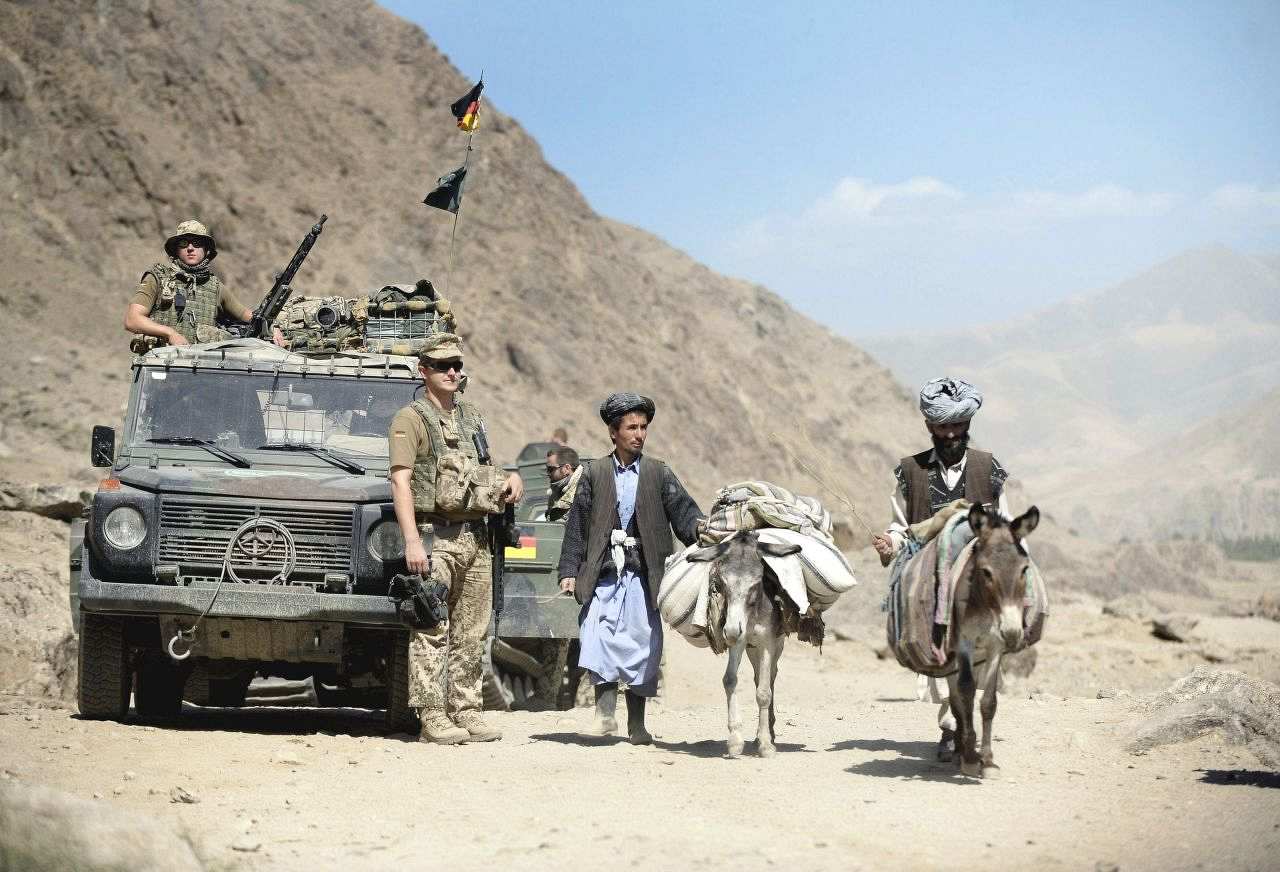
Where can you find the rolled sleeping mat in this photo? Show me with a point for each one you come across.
(402, 347)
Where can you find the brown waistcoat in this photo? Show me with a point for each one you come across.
(977, 482)
(650, 524)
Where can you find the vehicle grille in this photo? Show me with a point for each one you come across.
(194, 535)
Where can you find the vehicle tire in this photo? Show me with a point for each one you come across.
(400, 718)
(159, 690)
(571, 679)
(104, 675)
(229, 692)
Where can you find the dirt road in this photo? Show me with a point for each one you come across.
(854, 785)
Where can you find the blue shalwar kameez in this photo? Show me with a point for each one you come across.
(620, 637)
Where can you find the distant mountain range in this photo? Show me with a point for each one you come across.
(1146, 394)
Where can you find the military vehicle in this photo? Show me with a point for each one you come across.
(245, 528)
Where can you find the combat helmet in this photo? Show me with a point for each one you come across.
(191, 227)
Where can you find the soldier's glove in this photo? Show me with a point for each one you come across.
(421, 605)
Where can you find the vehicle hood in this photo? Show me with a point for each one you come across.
(317, 485)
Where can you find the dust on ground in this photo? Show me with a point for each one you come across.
(854, 784)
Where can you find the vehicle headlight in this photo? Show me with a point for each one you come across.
(125, 528)
(385, 542)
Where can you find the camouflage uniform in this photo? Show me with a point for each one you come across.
(186, 299)
(446, 663)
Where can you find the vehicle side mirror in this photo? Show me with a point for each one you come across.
(102, 447)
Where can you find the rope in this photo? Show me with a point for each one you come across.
(282, 577)
(816, 475)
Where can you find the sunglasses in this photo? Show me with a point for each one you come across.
(190, 241)
(552, 469)
(445, 365)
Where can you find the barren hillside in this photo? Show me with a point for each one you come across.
(1092, 380)
(1220, 479)
(119, 119)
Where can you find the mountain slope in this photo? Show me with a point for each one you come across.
(1220, 479)
(119, 120)
(1093, 380)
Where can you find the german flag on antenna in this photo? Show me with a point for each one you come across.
(467, 109)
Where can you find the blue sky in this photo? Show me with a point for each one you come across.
(873, 162)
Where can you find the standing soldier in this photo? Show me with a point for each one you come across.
(617, 539)
(177, 302)
(442, 494)
(927, 481)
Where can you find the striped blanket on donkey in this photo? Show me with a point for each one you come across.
(813, 579)
(926, 578)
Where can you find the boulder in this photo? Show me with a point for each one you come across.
(42, 828)
(1174, 628)
(58, 501)
(1240, 709)
(1131, 606)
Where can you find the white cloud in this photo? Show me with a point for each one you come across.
(866, 253)
(1100, 201)
(1245, 198)
(858, 198)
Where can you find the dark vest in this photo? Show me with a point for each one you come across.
(925, 492)
(649, 524)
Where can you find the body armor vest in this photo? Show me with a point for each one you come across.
(185, 302)
(426, 466)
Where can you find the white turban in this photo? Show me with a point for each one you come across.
(949, 400)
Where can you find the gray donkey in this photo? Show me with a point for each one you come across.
(989, 615)
(745, 612)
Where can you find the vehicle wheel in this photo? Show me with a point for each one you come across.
(104, 679)
(159, 689)
(229, 692)
(400, 718)
(570, 679)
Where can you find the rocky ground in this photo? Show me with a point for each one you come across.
(854, 784)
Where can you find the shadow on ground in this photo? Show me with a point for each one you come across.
(273, 720)
(1244, 777)
(916, 761)
(703, 748)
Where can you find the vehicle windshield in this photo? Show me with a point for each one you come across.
(245, 411)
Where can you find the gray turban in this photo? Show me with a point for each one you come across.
(949, 400)
(617, 405)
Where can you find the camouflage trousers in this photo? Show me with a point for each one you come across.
(446, 663)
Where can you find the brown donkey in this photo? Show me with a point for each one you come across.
(989, 618)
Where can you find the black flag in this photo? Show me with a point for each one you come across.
(448, 192)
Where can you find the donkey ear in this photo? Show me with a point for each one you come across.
(709, 553)
(1025, 523)
(778, 549)
(978, 518)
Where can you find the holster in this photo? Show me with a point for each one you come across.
(420, 605)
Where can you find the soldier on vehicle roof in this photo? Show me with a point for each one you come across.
(442, 495)
(930, 480)
(177, 301)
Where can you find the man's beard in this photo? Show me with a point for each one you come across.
(951, 450)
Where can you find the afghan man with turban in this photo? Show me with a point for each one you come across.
(927, 481)
(617, 539)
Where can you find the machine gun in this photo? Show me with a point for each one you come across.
(259, 326)
(502, 532)
(419, 604)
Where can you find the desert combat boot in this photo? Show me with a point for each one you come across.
(439, 730)
(477, 728)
